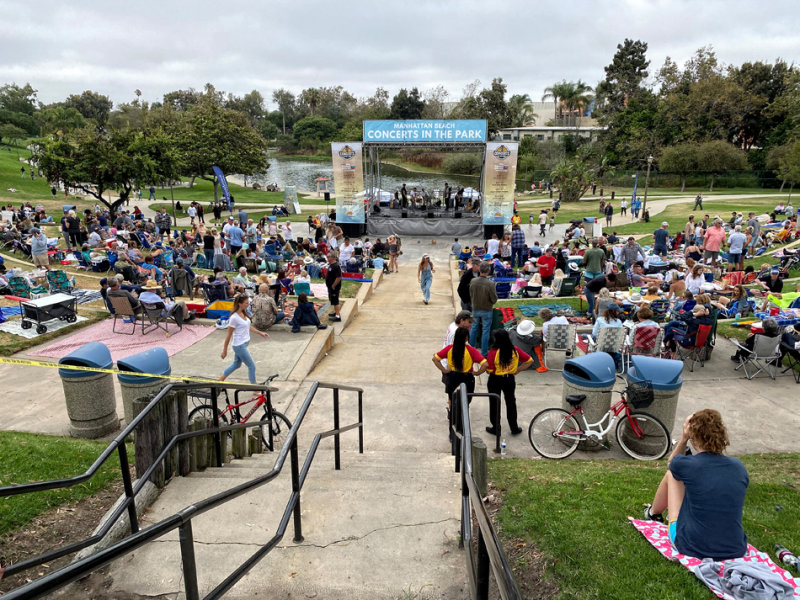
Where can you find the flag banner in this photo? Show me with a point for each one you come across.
(223, 183)
(499, 178)
(348, 181)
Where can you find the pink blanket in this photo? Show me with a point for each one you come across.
(658, 535)
(121, 345)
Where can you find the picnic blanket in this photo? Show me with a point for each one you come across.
(319, 290)
(85, 296)
(658, 535)
(531, 310)
(10, 311)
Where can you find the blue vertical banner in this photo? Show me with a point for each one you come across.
(223, 184)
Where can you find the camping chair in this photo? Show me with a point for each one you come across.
(20, 287)
(792, 357)
(251, 264)
(214, 292)
(300, 288)
(560, 338)
(764, 356)
(646, 342)
(660, 309)
(156, 317)
(567, 287)
(23, 247)
(82, 264)
(143, 239)
(58, 282)
(122, 310)
(696, 352)
(610, 340)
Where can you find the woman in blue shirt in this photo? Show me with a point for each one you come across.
(703, 493)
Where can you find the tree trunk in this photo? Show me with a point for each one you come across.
(283, 118)
(713, 176)
(216, 197)
(791, 187)
(191, 181)
(783, 183)
(683, 183)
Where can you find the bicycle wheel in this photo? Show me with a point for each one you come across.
(206, 411)
(642, 436)
(554, 433)
(274, 431)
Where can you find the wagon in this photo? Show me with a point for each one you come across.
(57, 306)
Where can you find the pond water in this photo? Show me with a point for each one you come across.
(302, 173)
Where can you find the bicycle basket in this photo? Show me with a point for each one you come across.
(639, 395)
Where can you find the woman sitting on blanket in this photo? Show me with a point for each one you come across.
(703, 493)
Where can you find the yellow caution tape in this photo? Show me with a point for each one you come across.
(36, 363)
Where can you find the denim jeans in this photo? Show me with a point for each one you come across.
(242, 355)
(209, 254)
(589, 299)
(516, 256)
(481, 321)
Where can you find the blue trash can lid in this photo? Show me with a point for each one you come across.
(663, 373)
(593, 370)
(93, 354)
(155, 360)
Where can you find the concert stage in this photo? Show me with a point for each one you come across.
(423, 222)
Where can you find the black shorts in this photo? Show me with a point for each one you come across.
(547, 279)
(333, 297)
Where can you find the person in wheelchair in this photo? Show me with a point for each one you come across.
(771, 329)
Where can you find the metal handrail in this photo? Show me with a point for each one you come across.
(183, 519)
(489, 554)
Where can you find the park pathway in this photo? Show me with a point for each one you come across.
(386, 525)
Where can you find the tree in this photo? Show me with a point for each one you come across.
(766, 83)
(789, 166)
(59, 119)
(557, 92)
(376, 106)
(351, 132)
(251, 104)
(14, 98)
(520, 112)
(717, 157)
(624, 78)
(681, 159)
(312, 131)
(407, 105)
(574, 176)
(91, 105)
(212, 135)
(774, 157)
(12, 133)
(285, 101)
(572, 97)
(435, 99)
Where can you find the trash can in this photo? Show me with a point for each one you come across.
(91, 405)
(594, 376)
(666, 379)
(155, 361)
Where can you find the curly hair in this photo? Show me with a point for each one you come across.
(708, 430)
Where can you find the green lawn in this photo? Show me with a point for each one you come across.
(31, 457)
(572, 301)
(575, 513)
(34, 191)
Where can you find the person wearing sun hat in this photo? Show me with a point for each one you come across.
(151, 294)
(524, 336)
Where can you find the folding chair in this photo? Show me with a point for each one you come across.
(646, 342)
(122, 310)
(156, 317)
(251, 265)
(609, 340)
(214, 292)
(660, 309)
(567, 287)
(20, 287)
(792, 357)
(695, 352)
(300, 288)
(764, 356)
(560, 338)
(57, 281)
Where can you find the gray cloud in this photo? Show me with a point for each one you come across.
(115, 48)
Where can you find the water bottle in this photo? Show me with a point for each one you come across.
(786, 557)
(738, 316)
(503, 450)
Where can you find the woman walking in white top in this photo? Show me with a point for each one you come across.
(239, 329)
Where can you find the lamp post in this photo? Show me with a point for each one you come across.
(646, 184)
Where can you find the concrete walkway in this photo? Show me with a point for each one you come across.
(385, 526)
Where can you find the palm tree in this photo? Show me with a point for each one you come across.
(557, 92)
(519, 110)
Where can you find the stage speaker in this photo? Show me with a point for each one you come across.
(430, 214)
(327, 196)
(404, 214)
(457, 215)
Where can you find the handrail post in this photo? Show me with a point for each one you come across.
(337, 464)
(298, 524)
(361, 422)
(217, 435)
(482, 583)
(126, 484)
(455, 417)
(187, 559)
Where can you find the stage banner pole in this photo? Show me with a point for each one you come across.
(348, 181)
(500, 174)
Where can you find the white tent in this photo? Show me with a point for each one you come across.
(379, 195)
(471, 193)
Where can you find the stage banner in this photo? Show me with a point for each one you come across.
(223, 184)
(427, 130)
(348, 181)
(499, 177)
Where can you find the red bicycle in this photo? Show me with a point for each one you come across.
(274, 429)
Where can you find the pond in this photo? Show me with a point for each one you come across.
(302, 173)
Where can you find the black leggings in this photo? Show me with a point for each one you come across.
(505, 386)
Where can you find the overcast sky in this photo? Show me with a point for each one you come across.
(116, 47)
